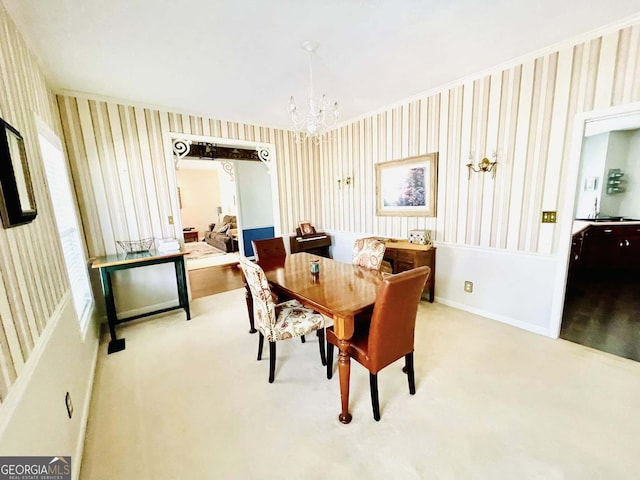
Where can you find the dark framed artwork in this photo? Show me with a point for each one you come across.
(407, 187)
(17, 201)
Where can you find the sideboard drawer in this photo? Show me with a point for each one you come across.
(402, 266)
(404, 256)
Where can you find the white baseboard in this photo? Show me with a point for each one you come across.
(500, 318)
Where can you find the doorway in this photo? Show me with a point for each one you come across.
(601, 307)
(246, 176)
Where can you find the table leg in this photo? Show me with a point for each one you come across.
(344, 370)
(115, 345)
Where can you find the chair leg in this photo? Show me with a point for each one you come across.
(323, 358)
(302, 339)
(272, 361)
(373, 384)
(329, 360)
(408, 362)
(260, 344)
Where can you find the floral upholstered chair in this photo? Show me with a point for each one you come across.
(278, 321)
(368, 252)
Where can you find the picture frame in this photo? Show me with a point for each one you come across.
(17, 200)
(306, 229)
(407, 187)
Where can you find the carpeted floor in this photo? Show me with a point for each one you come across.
(188, 400)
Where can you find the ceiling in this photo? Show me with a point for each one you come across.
(241, 60)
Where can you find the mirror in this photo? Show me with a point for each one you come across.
(608, 184)
(17, 201)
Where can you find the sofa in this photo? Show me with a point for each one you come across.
(222, 235)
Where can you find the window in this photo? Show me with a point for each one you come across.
(68, 228)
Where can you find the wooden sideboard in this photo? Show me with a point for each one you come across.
(403, 255)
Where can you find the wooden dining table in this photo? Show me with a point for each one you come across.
(340, 291)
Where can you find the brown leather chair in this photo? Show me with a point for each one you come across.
(269, 248)
(389, 335)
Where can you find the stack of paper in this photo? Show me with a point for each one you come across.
(168, 245)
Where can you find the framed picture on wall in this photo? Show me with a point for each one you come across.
(407, 187)
(17, 201)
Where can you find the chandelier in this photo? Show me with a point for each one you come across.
(321, 115)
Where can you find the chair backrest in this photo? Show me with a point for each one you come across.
(269, 248)
(368, 252)
(393, 320)
(264, 308)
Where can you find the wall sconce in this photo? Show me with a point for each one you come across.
(484, 165)
(347, 181)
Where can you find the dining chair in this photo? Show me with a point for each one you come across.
(269, 248)
(266, 248)
(389, 335)
(368, 253)
(272, 248)
(280, 321)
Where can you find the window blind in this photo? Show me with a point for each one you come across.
(59, 184)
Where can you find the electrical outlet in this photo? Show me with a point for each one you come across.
(170, 219)
(468, 286)
(67, 402)
(548, 217)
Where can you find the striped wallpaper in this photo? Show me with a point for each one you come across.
(119, 161)
(32, 275)
(117, 153)
(524, 113)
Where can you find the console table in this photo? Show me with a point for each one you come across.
(403, 255)
(112, 263)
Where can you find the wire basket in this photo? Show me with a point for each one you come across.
(135, 246)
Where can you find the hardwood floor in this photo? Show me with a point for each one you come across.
(212, 280)
(603, 312)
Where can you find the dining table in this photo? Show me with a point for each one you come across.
(340, 291)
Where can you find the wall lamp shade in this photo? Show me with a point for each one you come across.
(485, 165)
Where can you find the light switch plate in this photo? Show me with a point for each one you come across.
(549, 217)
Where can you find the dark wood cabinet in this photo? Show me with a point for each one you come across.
(610, 247)
(403, 255)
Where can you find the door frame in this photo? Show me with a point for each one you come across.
(569, 201)
(267, 155)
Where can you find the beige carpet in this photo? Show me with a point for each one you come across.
(188, 400)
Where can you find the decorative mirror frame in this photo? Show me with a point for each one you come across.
(17, 201)
(394, 178)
